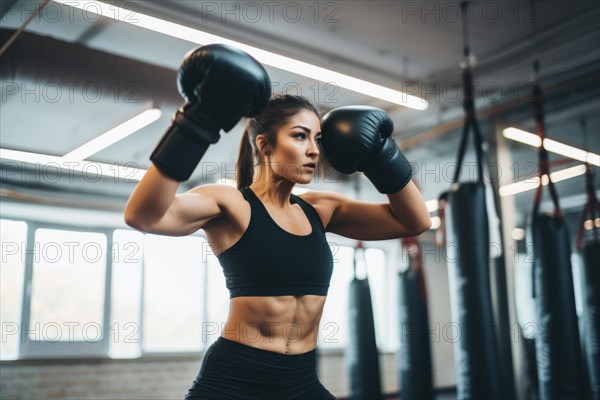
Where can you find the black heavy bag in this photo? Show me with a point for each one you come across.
(363, 357)
(414, 355)
(588, 243)
(558, 350)
(476, 354)
(591, 314)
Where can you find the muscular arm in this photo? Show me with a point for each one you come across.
(154, 207)
(405, 215)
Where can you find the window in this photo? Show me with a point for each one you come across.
(173, 293)
(13, 239)
(126, 294)
(218, 305)
(335, 325)
(65, 300)
(375, 259)
(67, 287)
(333, 329)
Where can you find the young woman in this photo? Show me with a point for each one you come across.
(270, 242)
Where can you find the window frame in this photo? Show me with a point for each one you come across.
(33, 349)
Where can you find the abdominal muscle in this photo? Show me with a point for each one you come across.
(282, 324)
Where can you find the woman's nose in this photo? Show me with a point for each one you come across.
(313, 149)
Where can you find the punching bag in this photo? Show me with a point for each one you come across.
(476, 355)
(478, 366)
(588, 243)
(591, 314)
(414, 356)
(558, 350)
(362, 354)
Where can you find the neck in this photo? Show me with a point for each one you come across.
(275, 192)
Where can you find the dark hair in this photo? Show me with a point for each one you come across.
(280, 109)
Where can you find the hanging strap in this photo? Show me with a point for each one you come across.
(440, 234)
(469, 107)
(359, 254)
(540, 130)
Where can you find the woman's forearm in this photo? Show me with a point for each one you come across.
(151, 197)
(409, 208)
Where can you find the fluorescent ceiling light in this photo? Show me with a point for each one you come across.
(522, 136)
(114, 135)
(588, 224)
(263, 56)
(88, 169)
(530, 184)
(552, 146)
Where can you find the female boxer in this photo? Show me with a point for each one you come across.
(270, 242)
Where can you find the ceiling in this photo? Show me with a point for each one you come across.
(73, 75)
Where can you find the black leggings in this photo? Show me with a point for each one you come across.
(232, 370)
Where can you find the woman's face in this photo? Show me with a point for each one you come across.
(297, 148)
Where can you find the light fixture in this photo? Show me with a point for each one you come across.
(533, 183)
(266, 57)
(523, 186)
(49, 165)
(551, 146)
(588, 224)
(114, 135)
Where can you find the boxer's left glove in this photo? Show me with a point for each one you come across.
(221, 84)
(357, 138)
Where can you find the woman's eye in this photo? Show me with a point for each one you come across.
(300, 134)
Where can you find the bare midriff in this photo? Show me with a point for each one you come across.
(282, 324)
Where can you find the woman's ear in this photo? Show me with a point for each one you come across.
(260, 142)
(260, 139)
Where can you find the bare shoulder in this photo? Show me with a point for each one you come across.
(223, 195)
(233, 208)
(324, 202)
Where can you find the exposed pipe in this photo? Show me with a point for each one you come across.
(15, 35)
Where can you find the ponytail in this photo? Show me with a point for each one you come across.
(245, 167)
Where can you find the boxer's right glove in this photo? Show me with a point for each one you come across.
(221, 84)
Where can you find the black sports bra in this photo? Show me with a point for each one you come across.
(269, 261)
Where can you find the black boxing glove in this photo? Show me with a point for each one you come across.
(357, 138)
(221, 84)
